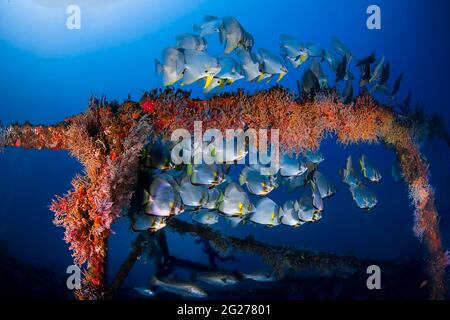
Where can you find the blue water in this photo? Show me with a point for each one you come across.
(48, 72)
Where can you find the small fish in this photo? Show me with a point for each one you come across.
(365, 68)
(218, 278)
(172, 67)
(314, 156)
(349, 175)
(145, 222)
(249, 64)
(157, 156)
(234, 35)
(212, 197)
(368, 170)
(206, 216)
(144, 291)
(347, 95)
(258, 277)
(199, 65)
(230, 70)
(257, 183)
(291, 166)
(310, 83)
(207, 174)
(305, 209)
(325, 188)
(191, 195)
(292, 50)
(163, 198)
(366, 61)
(332, 60)
(377, 72)
(266, 213)
(295, 182)
(397, 85)
(235, 201)
(209, 26)
(191, 42)
(341, 71)
(385, 74)
(187, 290)
(423, 284)
(363, 196)
(341, 48)
(318, 72)
(289, 214)
(316, 198)
(271, 64)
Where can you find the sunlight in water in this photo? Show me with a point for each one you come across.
(40, 25)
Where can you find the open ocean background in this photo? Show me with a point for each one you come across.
(48, 72)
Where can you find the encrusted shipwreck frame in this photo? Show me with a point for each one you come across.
(108, 138)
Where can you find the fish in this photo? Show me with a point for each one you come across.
(259, 277)
(368, 170)
(289, 214)
(235, 201)
(234, 35)
(341, 48)
(210, 25)
(234, 221)
(318, 72)
(365, 67)
(396, 172)
(316, 198)
(211, 199)
(144, 291)
(366, 61)
(325, 188)
(191, 195)
(187, 290)
(295, 182)
(270, 64)
(207, 174)
(341, 71)
(363, 196)
(332, 60)
(292, 50)
(347, 95)
(266, 213)
(173, 66)
(215, 83)
(199, 65)
(385, 74)
(396, 86)
(218, 278)
(257, 183)
(310, 83)
(305, 209)
(314, 156)
(230, 71)
(145, 222)
(205, 216)
(349, 175)
(163, 198)
(228, 155)
(249, 64)
(377, 72)
(291, 166)
(314, 51)
(157, 156)
(191, 42)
